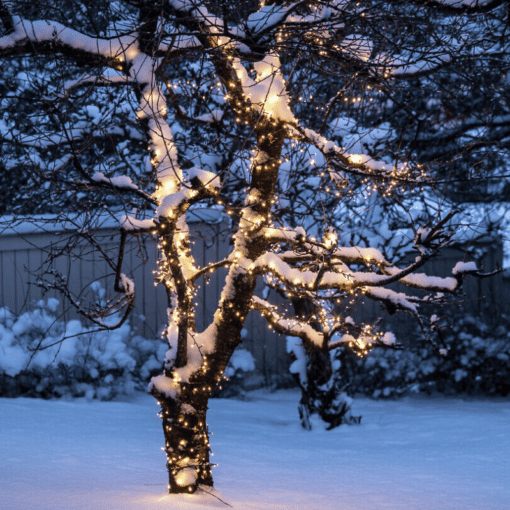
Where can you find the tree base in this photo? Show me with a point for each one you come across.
(186, 439)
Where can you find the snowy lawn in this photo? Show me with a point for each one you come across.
(417, 453)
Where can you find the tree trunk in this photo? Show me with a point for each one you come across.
(186, 437)
(323, 391)
(184, 404)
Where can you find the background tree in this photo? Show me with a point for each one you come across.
(234, 105)
(440, 110)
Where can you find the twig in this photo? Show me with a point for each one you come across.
(201, 487)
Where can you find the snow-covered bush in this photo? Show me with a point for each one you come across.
(478, 362)
(34, 361)
(233, 382)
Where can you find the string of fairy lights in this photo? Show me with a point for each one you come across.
(255, 219)
(191, 441)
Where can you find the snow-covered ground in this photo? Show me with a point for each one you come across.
(416, 453)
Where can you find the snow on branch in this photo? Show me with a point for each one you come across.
(133, 225)
(341, 280)
(365, 340)
(271, 16)
(331, 332)
(283, 325)
(45, 36)
(310, 247)
(173, 205)
(267, 93)
(342, 162)
(120, 182)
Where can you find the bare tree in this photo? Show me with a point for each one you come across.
(234, 102)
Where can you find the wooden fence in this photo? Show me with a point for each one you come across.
(23, 255)
(24, 252)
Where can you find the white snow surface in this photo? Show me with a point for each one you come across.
(419, 453)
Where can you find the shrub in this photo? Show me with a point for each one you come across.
(41, 356)
(478, 362)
